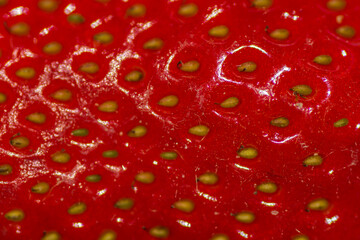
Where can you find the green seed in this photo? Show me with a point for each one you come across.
(110, 154)
(62, 95)
(89, 67)
(52, 48)
(51, 236)
(159, 232)
(108, 235)
(81, 132)
(169, 155)
(200, 130)
(320, 204)
(3, 98)
(230, 102)
(190, 66)
(280, 34)
(20, 142)
(40, 188)
(153, 44)
(15, 215)
(267, 187)
(77, 208)
(302, 90)
(220, 236)
(38, 118)
(76, 18)
(314, 160)
(93, 178)
(184, 205)
(108, 107)
(169, 101)
(247, 67)
(134, 76)
(20, 29)
(220, 31)
(124, 204)
(48, 5)
(336, 5)
(25, 73)
(323, 59)
(208, 178)
(145, 177)
(245, 217)
(60, 157)
(262, 3)
(5, 169)
(280, 122)
(136, 10)
(341, 122)
(104, 38)
(346, 32)
(300, 237)
(138, 131)
(188, 10)
(248, 153)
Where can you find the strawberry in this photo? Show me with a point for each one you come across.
(183, 119)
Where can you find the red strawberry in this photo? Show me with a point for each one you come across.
(183, 119)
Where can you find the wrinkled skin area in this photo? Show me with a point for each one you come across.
(264, 95)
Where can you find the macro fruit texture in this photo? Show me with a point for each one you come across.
(207, 119)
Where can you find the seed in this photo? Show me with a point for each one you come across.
(262, 3)
(153, 44)
(145, 177)
(220, 236)
(51, 236)
(190, 66)
(20, 29)
(52, 48)
(208, 178)
(247, 67)
(169, 101)
(184, 205)
(319, 204)
(5, 169)
(76, 18)
(110, 154)
(77, 208)
(93, 178)
(38, 118)
(3, 98)
(314, 160)
(346, 32)
(89, 67)
(124, 204)
(220, 31)
(134, 76)
(3, 2)
(267, 187)
(159, 232)
(336, 5)
(280, 34)
(108, 235)
(104, 38)
(136, 10)
(188, 10)
(108, 107)
(103, 1)
(200, 130)
(60, 157)
(62, 95)
(25, 73)
(341, 122)
(15, 215)
(302, 90)
(169, 155)
(300, 237)
(230, 102)
(138, 131)
(248, 153)
(40, 188)
(48, 5)
(81, 132)
(245, 217)
(20, 142)
(280, 122)
(323, 59)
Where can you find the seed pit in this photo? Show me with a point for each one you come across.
(230, 102)
(81, 132)
(3, 98)
(280, 122)
(93, 178)
(300, 237)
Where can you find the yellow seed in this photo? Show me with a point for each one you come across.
(93, 178)
(52, 48)
(40, 188)
(76, 18)
(48, 5)
(302, 90)
(220, 31)
(77, 208)
(3, 98)
(110, 154)
(136, 10)
(3, 2)
(245, 217)
(280, 34)
(190, 66)
(341, 122)
(108, 235)
(169, 101)
(20, 29)
(89, 67)
(262, 3)
(62, 95)
(220, 236)
(336, 5)
(346, 32)
(188, 10)
(159, 232)
(280, 122)
(320, 204)
(145, 177)
(20, 142)
(134, 76)
(25, 73)
(153, 44)
(208, 178)
(138, 131)
(184, 205)
(323, 59)
(200, 130)
(300, 237)
(314, 160)
(103, 1)
(124, 204)
(15, 215)
(60, 157)
(108, 107)
(81, 132)
(51, 236)
(5, 169)
(248, 153)
(169, 155)
(267, 187)
(104, 38)
(38, 118)
(247, 67)
(230, 102)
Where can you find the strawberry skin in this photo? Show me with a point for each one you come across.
(196, 119)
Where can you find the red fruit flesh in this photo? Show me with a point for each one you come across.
(249, 128)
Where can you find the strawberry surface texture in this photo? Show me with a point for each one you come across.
(179, 119)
